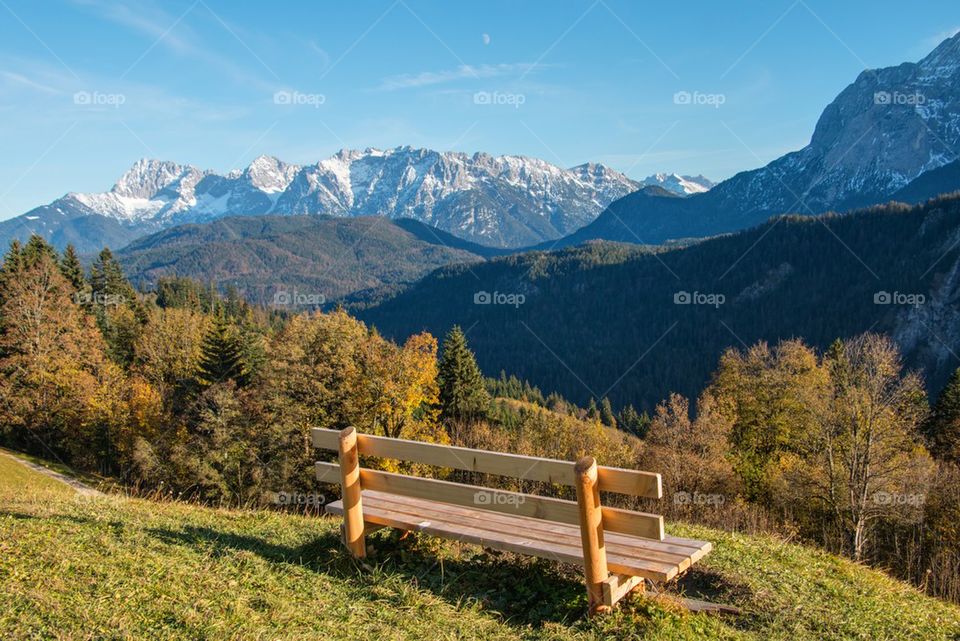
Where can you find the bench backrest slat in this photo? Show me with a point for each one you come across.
(529, 468)
(616, 520)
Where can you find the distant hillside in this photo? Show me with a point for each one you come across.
(322, 259)
(942, 180)
(636, 324)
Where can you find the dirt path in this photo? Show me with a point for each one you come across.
(80, 487)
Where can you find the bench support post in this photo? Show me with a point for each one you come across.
(591, 533)
(353, 527)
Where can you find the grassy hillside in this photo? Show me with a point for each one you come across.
(116, 568)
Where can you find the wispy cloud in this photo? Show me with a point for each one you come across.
(19, 79)
(173, 34)
(463, 72)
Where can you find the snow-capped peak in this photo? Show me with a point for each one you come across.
(471, 195)
(148, 177)
(271, 175)
(682, 185)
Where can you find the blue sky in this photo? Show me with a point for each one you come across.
(89, 86)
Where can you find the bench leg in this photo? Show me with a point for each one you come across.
(591, 533)
(353, 526)
(618, 586)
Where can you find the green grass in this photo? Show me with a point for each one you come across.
(76, 567)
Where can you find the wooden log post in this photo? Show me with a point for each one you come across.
(591, 532)
(353, 526)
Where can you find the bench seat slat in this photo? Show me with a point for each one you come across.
(562, 534)
(523, 535)
(537, 528)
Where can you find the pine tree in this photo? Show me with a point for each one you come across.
(221, 355)
(36, 249)
(630, 421)
(592, 412)
(463, 396)
(943, 427)
(71, 268)
(606, 413)
(108, 281)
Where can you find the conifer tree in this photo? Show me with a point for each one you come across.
(943, 426)
(71, 268)
(108, 281)
(463, 396)
(221, 355)
(592, 412)
(606, 413)
(36, 249)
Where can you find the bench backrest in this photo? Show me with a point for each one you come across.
(530, 468)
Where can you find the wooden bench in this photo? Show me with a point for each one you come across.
(631, 545)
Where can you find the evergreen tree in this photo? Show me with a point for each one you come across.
(630, 421)
(943, 427)
(463, 396)
(12, 264)
(108, 281)
(592, 412)
(36, 249)
(71, 268)
(221, 355)
(606, 413)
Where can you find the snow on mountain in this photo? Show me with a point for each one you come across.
(505, 201)
(681, 185)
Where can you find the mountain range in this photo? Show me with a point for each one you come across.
(502, 201)
(877, 141)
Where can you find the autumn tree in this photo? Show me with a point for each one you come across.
(867, 454)
(691, 455)
(402, 384)
(771, 397)
(58, 393)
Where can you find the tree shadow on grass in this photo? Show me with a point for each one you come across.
(522, 590)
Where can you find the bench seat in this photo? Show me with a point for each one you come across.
(657, 561)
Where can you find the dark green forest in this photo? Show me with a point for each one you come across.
(601, 320)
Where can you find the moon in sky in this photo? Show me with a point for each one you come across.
(486, 38)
